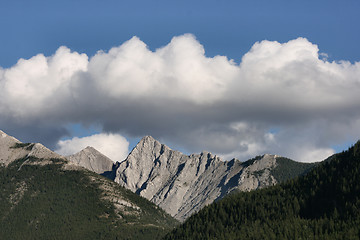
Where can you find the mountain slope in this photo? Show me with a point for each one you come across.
(12, 149)
(43, 197)
(323, 204)
(182, 184)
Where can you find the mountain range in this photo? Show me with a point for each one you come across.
(179, 184)
(183, 184)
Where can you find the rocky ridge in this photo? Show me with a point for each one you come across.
(178, 183)
(183, 184)
(12, 149)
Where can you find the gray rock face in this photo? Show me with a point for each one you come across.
(182, 184)
(92, 160)
(7, 151)
(12, 149)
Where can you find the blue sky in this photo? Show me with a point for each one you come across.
(226, 28)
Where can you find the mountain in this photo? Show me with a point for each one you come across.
(93, 160)
(183, 184)
(323, 204)
(12, 149)
(45, 196)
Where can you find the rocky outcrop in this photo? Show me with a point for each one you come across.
(183, 184)
(92, 160)
(12, 149)
(8, 150)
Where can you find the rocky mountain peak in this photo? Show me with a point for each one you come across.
(40, 151)
(89, 148)
(147, 142)
(8, 152)
(183, 184)
(12, 149)
(148, 145)
(92, 159)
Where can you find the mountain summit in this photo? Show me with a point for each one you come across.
(93, 160)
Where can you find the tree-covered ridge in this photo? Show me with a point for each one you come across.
(323, 204)
(287, 169)
(48, 201)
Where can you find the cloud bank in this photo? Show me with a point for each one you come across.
(282, 98)
(114, 146)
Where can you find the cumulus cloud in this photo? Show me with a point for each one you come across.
(114, 146)
(194, 102)
(180, 70)
(28, 87)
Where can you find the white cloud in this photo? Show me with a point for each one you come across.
(178, 94)
(292, 75)
(179, 70)
(315, 155)
(28, 87)
(114, 146)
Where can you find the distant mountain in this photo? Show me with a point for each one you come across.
(93, 160)
(44, 196)
(323, 204)
(183, 184)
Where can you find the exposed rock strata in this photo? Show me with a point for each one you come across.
(182, 184)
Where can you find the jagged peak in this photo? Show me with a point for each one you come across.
(147, 140)
(209, 155)
(86, 150)
(92, 159)
(40, 151)
(90, 149)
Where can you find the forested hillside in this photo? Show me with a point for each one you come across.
(47, 199)
(324, 204)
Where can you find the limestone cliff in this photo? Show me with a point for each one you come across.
(183, 184)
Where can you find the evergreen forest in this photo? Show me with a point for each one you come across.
(39, 199)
